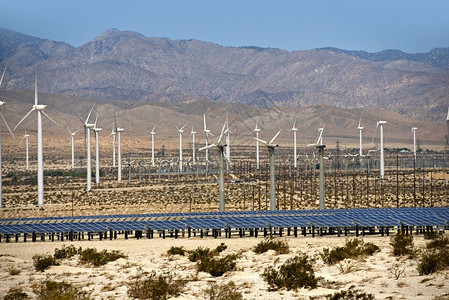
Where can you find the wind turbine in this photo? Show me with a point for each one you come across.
(97, 151)
(382, 162)
(87, 127)
(40, 158)
(192, 133)
(180, 131)
(271, 148)
(9, 129)
(294, 129)
(414, 141)
(152, 132)
(207, 132)
(72, 136)
(221, 168)
(319, 145)
(118, 130)
(360, 128)
(228, 144)
(26, 137)
(113, 133)
(256, 130)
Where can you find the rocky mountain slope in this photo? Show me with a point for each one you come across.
(120, 65)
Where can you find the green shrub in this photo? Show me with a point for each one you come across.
(296, 272)
(431, 235)
(220, 248)
(439, 242)
(91, 256)
(176, 251)
(217, 266)
(16, 293)
(51, 290)
(198, 254)
(352, 249)
(152, 286)
(402, 245)
(435, 258)
(280, 246)
(350, 294)
(43, 262)
(66, 252)
(223, 292)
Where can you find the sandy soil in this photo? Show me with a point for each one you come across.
(372, 274)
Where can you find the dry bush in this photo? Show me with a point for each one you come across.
(225, 291)
(402, 245)
(51, 290)
(91, 256)
(16, 293)
(43, 262)
(354, 248)
(280, 246)
(152, 286)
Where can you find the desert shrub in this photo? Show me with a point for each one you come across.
(91, 256)
(296, 272)
(431, 235)
(16, 293)
(198, 254)
(402, 245)
(50, 290)
(217, 266)
(43, 262)
(439, 242)
(350, 294)
(220, 248)
(225, 291)
(280, 246)
(176, 251)
(435, 258)
(66, 252)
(13, 271)
(352, 249)
(152, 286)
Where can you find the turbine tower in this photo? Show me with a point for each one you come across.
(87, 127)
(97, 151)
(118, 130)
(40, 158)
(223, 156)
(360, 128)
(9, 129)
(318, 144)
(72, 137)
(294, 129)
(271, 148)
(180, 131)
(113, 133)
(152, 132)
(26, 137)
(192, 133)
(256, 130)
(382, 162)
(414, 141)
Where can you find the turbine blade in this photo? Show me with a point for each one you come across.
(207, 147)
(374, 135)
(3, 75)
(9, 129)
(35, 89)
(319, 136)
(88, 116)
(183, 126)
(222, 133)
(274, 138)
(96, 119)
(360, 120)
(49, 118)
(177, 128)
(204, 117)
(259, 140)
(23, 118)
(227, 159)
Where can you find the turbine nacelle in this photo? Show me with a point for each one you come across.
(119, 129)
(39, 107)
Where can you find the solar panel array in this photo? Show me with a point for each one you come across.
(376, 217)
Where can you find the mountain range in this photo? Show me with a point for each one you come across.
(124, 65)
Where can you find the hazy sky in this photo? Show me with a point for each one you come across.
(409, 25)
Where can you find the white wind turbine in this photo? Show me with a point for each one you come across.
(72, 137)
(271, 148)
(256, 130)
(97, 151)
(294, 129)
(40, 157)
(382, 162)
(414, 141)
(152, 132)
(180, 131)
(87, 127)
(9, 129)
(113, 133)
(360, 128)
(223, 156)
(192, 133)
(26, 137)
(228, 144)
(118, 130)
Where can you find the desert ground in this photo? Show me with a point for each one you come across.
(372, 274)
